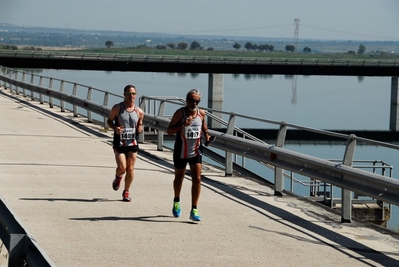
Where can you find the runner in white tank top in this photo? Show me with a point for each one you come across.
(127, 122)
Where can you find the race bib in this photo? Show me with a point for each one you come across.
(128, 133)
(192, 132)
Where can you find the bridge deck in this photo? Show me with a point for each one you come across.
(56, 173)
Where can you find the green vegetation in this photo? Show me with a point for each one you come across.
(144, 50)
(195, 50)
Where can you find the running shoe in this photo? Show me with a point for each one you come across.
(176, 209)
(194, 215)
(116, 183)
(126, 196)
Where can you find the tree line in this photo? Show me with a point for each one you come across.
(248, 45)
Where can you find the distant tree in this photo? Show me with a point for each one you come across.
(171, 45)
(160, 47)
(262, 47)
(290, 48)
(210, 49)
(109, 44)
(237, 46)
(195, 46)
(248, 46)
(182, 46)
(271, 48)
(351, 52)
(307, 50)
(254, 47)
(266, 47)
(361, 49)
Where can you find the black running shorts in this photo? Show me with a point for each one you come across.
(126, 149)
(180, 163)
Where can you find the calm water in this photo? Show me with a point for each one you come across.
(325, 102)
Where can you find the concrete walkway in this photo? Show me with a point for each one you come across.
(56, 173)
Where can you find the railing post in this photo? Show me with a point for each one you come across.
(1, 73)
(23, 80)
(62, 103)
(142, 105)
(16, 78)
(229, 155)
(41, 100)
(74, 93)
(50, 86)
(105, 104)
(32, 93)
(10, 76)
(278, 172)
(346, 206)
(160, 133)
(89, 115)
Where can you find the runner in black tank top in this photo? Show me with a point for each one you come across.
(188, 123)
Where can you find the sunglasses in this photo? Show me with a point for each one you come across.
(130, 93)
(193, 100)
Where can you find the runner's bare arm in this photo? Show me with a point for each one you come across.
(139, 125)
(176, 123)
(113, 115)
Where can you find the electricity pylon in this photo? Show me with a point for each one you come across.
(296, 34)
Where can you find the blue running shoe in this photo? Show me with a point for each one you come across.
(176, 209)
(194, 215)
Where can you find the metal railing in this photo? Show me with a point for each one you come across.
(232, 140)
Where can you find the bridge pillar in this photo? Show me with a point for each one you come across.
(394, 117)
(215, 97)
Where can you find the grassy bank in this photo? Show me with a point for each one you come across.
(232, 53)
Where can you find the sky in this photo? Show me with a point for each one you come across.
(369, 20)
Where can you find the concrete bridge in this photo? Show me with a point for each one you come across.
(200, 64)
(56, 174)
